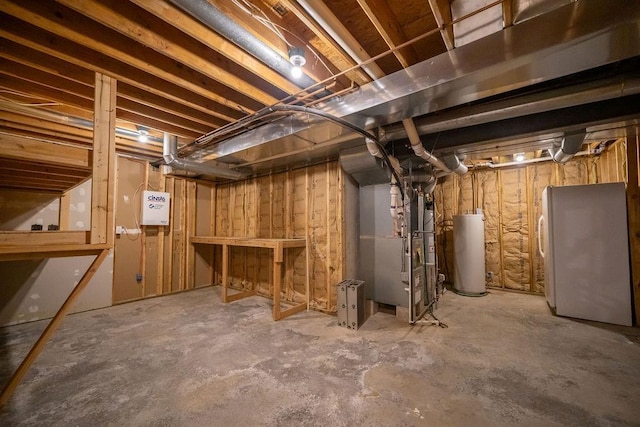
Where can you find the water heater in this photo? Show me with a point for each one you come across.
(468, 258)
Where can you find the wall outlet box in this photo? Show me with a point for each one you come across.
(155, 208)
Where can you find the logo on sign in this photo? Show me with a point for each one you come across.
(152, 198)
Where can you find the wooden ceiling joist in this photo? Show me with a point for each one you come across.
(124, 18)
(79, 29)
(185, 23)
(382, 17)
(14, 147)
(442, 12)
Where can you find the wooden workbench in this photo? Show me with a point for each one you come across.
(278, 246)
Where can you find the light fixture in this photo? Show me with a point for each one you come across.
(143, 133)
(519, 157)
(296, 57)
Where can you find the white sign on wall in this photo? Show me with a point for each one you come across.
(155, 208)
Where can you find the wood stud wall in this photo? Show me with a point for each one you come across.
(295, 204)
(162, 255)
(510, 199)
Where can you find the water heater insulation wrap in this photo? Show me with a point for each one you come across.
(468, 245)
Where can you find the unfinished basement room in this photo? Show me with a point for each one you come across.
(319, 212)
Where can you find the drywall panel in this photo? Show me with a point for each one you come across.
(130, 181)
(34, 290)
(21, 209)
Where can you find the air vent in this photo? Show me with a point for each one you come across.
(280, 9)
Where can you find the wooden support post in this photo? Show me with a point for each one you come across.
(225, 272)
(278, 259)
(51, 328)
(104, 153)
(633, 206)
(500, 232)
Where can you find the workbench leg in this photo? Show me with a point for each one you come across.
(51, 328)
(225, 272)
(277, 281)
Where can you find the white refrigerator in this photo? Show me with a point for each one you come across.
(583, 237)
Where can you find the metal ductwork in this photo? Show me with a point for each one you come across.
(454, 163)
(570, 146)
(170, 156)
(601, 32)
(217, 21)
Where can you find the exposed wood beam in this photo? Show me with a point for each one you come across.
(104, 157)
(357, 51)
(123, 17)
(13, 147)
(61, 90)
(382, 17)
(56, 66)
(35, 38)
(77, 28)
(442, 12)
(185, 23)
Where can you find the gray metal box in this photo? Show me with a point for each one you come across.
(342, 302)
(355, 305)
(351, 305)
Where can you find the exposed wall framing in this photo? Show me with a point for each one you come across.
(510, 199)
(161, 255)
(302, 203)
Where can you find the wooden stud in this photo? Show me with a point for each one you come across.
(160, 255)
(104, 151)
(190, 231)
(51, 328)
(531, 224)
(503, 277)
(633, 206)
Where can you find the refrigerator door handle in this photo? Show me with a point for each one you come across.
(540, 235)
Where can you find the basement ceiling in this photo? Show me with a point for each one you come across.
(195, 67)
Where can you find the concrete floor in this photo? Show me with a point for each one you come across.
(187, 359)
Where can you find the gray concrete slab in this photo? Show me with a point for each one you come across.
(188, 359)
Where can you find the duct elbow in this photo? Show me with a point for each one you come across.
(455, 165)
(560, 156)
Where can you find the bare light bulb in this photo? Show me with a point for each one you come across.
(296, 72)
(297, 59)
(143, 138)
(519, 157)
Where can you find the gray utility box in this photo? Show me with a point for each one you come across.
(351, 309)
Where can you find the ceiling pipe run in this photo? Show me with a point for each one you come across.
(570, 146)
(420, 151)
(170, 156)
(217, 21)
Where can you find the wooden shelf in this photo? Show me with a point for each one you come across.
(14, 252)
